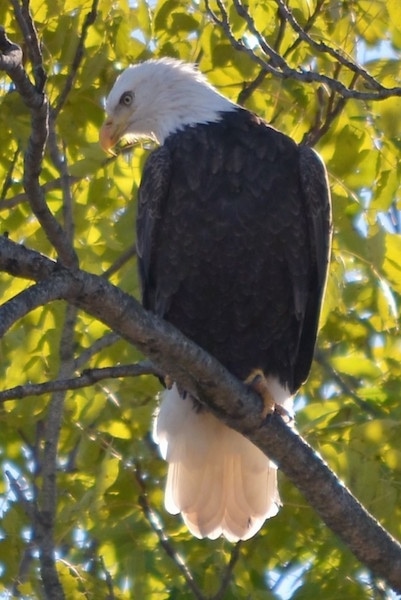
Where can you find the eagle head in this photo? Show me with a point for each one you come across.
(156, 98)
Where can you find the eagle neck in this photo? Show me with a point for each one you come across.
(207, 106)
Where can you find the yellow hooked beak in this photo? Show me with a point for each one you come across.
(110, 134)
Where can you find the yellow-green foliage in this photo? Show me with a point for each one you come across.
(349, 409)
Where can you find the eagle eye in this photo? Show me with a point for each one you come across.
(126, 98)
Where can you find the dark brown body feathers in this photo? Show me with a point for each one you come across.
(233, 242)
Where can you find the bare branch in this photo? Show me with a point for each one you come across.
(9, 176)
(29, 510)
(55, 184)
(26, 301)
(324, 48)
(228, 573)
(165, 543)
(107, 340)
(276, 60)
(88, 378)
(120, 262)
(79, 54)
(19, 494)
(277, 66)
(109, 580)
(24, 18)
(11, 62)
(248, 89)
(27, 264)
(46, 506)
(346, 389)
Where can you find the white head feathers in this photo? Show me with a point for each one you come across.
(158, 97)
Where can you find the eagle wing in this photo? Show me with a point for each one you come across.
(151, 202)
(315, 189)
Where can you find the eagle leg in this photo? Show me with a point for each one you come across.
(257, 381)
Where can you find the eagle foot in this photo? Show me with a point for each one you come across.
(257, 382)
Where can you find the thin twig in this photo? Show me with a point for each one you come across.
(54, 184)
(11, 63)
(19, 494)
(228, 573)
(88, 378)
(9, 175)
(47, 500)
(346, 389)
(324, 48)
(276, 59)
(108, 578)
(120, 262)
(285, 71)
(89, 20)
(165, 542)
(105, 341)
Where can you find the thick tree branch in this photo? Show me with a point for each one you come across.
(46, 505)
(36, 100)
(229, 400)
(11, 63)
(24, 18)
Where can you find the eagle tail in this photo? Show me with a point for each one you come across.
(220, 482)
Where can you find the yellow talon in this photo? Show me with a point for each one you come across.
(257, 381)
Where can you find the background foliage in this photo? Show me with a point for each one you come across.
(113, 537)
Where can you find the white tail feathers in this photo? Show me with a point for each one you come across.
(220, 482)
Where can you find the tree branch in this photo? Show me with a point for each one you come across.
(228, 573)
(88, 378)
(36, 100)
(165, 543)
(89, 20)
(339, 57)
(46, 505)
(231, 401)
(9, 176)
(24, 18)
(276, 65)
(55, 184)
(105, 341)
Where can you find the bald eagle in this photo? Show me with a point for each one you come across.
(233, 239)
